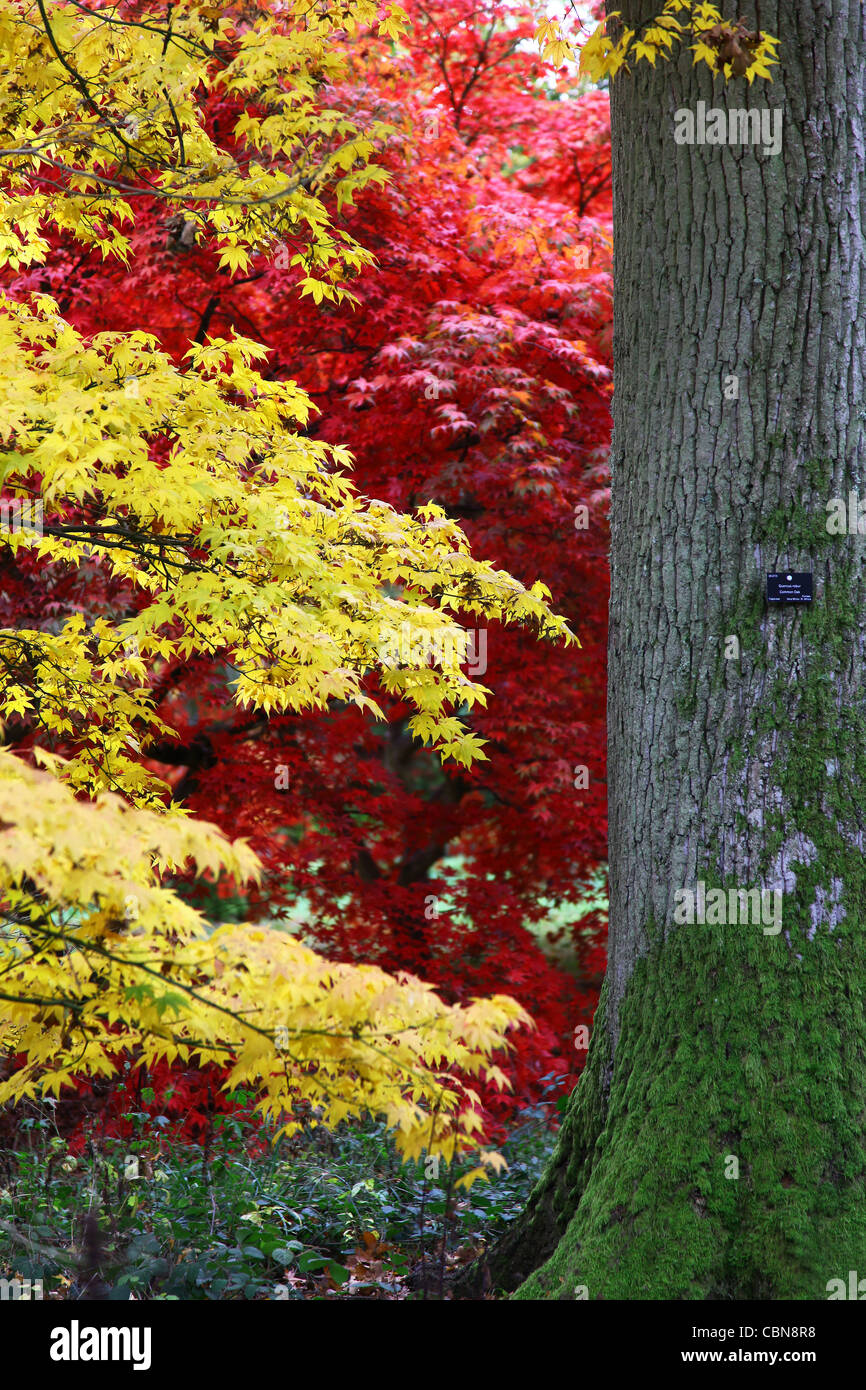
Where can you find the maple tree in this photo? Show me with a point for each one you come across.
(471, 368)
(223, 536)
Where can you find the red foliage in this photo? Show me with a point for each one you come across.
(182, 1103)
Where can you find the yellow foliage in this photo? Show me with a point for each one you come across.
(246, 534)
(98, 957)
(725, 46)
(100, 100)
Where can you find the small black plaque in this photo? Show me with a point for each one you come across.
(790, 586)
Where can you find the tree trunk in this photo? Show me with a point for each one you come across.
(715, 1145)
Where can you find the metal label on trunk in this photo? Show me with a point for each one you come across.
(789, 587)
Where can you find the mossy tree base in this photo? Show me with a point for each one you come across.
(731, 1162)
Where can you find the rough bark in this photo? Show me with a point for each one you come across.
(720, 1042)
